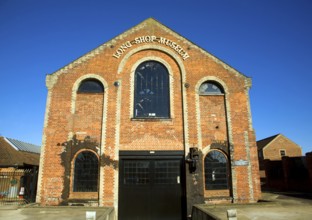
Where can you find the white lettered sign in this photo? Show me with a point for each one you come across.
(151, 39)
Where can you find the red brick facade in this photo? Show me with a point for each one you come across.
(279, 160)
(271, 147)
(274, 148)
(105, 124)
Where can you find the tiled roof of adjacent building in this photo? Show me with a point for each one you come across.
(17, 153)
(264, 142)
(23, 146)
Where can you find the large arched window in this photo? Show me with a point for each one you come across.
(210, 88)
(216, 171)
(90, 86)
(151, 93)
(86, 172)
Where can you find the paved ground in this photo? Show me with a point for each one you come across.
(292, 206)
(51, 213)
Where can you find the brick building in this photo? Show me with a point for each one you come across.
(279, 159)
(148, 121)
(274, 148)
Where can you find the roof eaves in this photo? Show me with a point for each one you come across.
(215, 58)
(270, 142)
(281, 135)
(11, 144)
(97, 50)
(23, 146)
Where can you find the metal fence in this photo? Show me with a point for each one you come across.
(18, 186)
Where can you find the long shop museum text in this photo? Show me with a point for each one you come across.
(151, 39)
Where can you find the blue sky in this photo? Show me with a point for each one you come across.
(268, 40)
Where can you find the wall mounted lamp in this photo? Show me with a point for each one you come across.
(193, 156)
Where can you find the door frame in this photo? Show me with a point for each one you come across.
(157, 155)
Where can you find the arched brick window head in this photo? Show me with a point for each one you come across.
(210, 88)
(90, 86)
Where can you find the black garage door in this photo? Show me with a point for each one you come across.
(151, 186)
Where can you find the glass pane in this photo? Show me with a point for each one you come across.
(91, 86)
(167, 172)
(151, 98)
(216, 173)
(210, 88)
(136, 172)
(86, 172)
(283, 153)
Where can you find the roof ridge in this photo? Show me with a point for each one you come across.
(273, 136)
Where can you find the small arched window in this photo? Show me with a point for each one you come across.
(151, 93)
(91, 86)
(210, 88)
(216, 171)
(86, 172)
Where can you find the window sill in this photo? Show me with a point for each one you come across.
(217, 193)
(202, 94)
(83, 195)
(151, 119)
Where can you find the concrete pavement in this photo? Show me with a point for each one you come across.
(294, 206)
(54, 213)
(275, 206)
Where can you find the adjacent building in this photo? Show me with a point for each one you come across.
(19, 163)
(276, 147)
(148, 123)
(282, 165)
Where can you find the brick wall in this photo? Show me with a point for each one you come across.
(289, 174)
(108, 119)
(272, 151)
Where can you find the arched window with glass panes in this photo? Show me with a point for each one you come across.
(151, 91)
(216, 171)
(86, 172)
(90, 86)
(211, 88)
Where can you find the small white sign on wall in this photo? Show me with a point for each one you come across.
(241, 162)
(90, 215)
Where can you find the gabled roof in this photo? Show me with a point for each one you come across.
(149, 24)
(17, 153)
(264, 142)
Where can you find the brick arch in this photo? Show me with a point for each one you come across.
(226, 102)
(180, 65)
(165, 50)
(82, 150)
(212, 78)
(104, 120)
(207, 150)
(77, 84)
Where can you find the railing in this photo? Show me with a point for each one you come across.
(17, 186)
